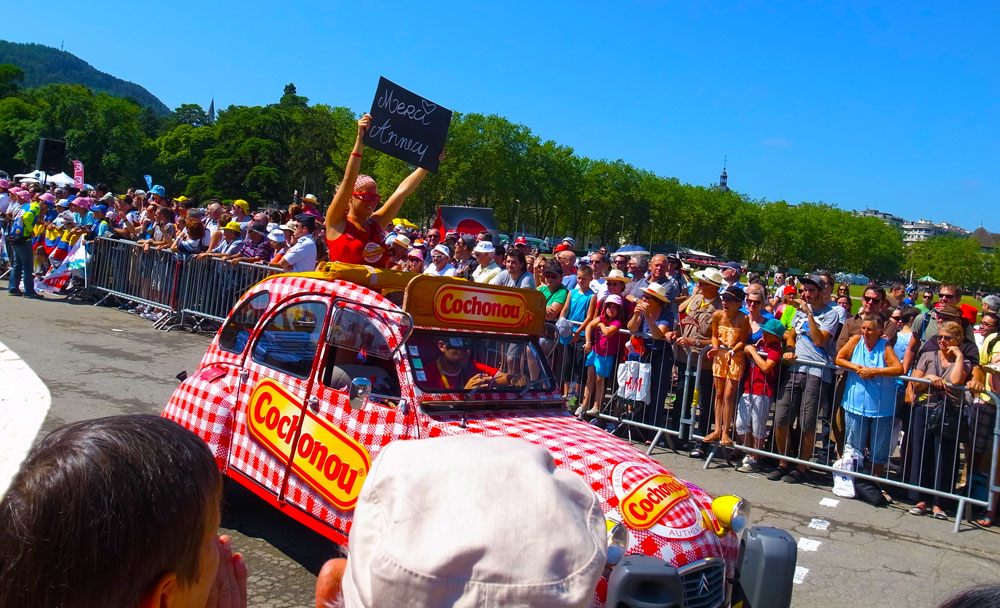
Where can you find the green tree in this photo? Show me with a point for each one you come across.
(11, 78)
(191, 114)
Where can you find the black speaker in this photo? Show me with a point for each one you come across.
(51, 155)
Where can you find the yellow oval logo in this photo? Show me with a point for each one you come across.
(329, 461)
(650, 500)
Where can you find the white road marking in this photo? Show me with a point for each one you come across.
(819, 524)
(829, 502)
(800, 574)
(24, 403)
(808, 544)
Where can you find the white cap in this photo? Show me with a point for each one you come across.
(442, 249)
(430, 529)
(276, 235)
(484, 247)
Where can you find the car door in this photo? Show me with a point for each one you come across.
(338, 440)
(276, 375)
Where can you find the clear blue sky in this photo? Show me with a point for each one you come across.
(892, 107)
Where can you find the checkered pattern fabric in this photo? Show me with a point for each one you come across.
(207, 402)
(593, 454)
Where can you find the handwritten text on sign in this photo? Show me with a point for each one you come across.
(407, 126)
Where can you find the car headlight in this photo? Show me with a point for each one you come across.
(617, 540)
(732, 513)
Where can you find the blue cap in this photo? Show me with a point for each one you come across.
(158, 190)
(101, 208)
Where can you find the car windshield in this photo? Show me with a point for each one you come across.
(445, 362)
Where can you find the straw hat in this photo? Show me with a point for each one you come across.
(710, 275)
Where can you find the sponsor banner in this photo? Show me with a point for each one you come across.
(77, 174)
(453, 303)
(331, 462)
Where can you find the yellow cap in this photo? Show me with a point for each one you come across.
(234, 226)
(242, 204)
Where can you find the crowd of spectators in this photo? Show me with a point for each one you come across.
(615, 307)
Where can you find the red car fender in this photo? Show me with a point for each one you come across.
(205, 404)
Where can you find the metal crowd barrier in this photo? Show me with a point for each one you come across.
(925, 464)
(190, 291)
(211, 287)
(122, 269)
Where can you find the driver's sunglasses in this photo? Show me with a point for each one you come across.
(368, 197)
(450, 347)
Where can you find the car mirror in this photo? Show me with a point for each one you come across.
(361, 388)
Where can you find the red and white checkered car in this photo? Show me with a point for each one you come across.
(314, 373)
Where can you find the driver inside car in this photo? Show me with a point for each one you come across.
(456, 370)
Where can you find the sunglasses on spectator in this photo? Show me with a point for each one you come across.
(437, 257)
(368, 197)
(945, 338)
(928, 296)
(947, 295)
(749, 302)
(870, 300)
(551, 275)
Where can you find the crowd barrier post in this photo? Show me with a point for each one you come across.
(191, 291)
(124, 270)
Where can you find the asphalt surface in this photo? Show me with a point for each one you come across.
(100, 361)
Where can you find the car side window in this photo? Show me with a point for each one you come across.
(289, 341)
(236, 333)
(358, 349)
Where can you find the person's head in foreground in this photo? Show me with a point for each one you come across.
(469, 521)
(115, 512)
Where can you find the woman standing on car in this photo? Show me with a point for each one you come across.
(354, 228)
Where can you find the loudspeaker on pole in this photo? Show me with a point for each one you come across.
(51, 155)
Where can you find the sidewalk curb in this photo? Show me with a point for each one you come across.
(24, 403)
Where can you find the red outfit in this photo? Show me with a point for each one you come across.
(357, 246)
(759, 383)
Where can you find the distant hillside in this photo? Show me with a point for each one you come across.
(44, 65)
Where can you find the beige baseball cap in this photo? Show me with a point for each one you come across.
(473, 521)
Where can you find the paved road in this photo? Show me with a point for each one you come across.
(100, 361)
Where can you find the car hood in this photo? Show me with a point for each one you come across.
(666, 517)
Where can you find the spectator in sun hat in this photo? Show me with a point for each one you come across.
(310, 206)
(230, 244)
(398, 248)
(276, 240)
(567, 244)
(255, 247)
(731, 273)
(465, 262)
(100, 227)
(487, 270)
(461, 513)
(441, 265)
(241, 214)
(301, 257)
(415, 261)
(694, 334)
(654, 321)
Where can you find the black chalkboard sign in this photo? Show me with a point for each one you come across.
(407, 126)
